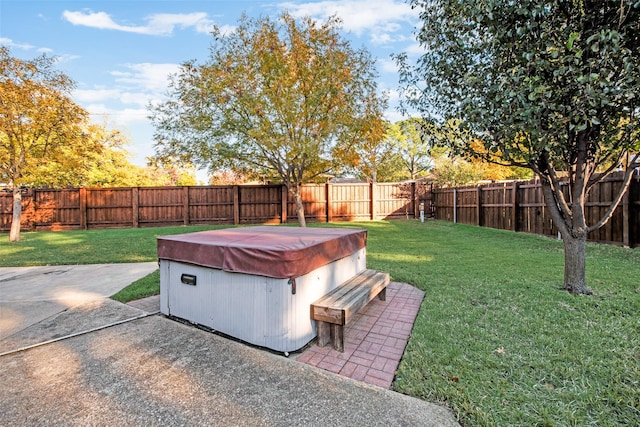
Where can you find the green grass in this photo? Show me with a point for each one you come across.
(145, 287)
(496, 340)
(94, 247)
(499, 343)
(86, 246)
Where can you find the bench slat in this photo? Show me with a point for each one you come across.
(334, 310)
(339, 304)
(345, 288)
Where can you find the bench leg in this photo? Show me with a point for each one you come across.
(337, 337)
(383, 294)
(324, 333)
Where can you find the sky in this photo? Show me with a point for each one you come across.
(121, 52)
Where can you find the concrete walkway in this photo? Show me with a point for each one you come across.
(135, 370)
(374, 340)
(29, 295)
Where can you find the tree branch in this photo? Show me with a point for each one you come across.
(626, 181)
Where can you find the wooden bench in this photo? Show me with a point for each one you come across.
(334, 310)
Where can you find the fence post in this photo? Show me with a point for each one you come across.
(626, 219)
(284, 200)
(414, 200)
(328, 202)
(514, 206)
(82, 193)
(372, 202)
(236, 205)
(431, 199)
(455, 205)
(135, 207)
(479, 206)
(185, 205)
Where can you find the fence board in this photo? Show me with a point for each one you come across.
(393, 200)
(511, 206)
(519, 206)
(211, 204)
(633, 213)
(160, 206)
(260, 204)
(314, 203)
(56, 210)
(109, 207)
(350, 202)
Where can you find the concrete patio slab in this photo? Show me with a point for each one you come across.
(158, 372)
(29, 295)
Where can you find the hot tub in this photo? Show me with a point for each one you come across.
(257, 283)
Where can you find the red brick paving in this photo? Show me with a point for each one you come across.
(374, 341)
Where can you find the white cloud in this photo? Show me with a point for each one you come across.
(147, 77)
(380, 18)
(393, 96)
(125, 103)
(157, 25)
(394, 116)
(65, 57)
(96, 95)
(165, 23)
(382, 38)
(415, 49)
(227, 29)
(118, 117)
(11, 44)
(387, 66)
(130, 116)
(136, 98)
(43, 50)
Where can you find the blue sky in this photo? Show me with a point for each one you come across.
(120, 53)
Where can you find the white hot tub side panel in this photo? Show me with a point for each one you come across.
(259, 310)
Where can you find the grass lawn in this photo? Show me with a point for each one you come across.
(86, 246)
(496, 340)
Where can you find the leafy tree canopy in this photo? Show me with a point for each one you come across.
(375, 160)
(284, 97)
(38, 121)
(413, 139)
(548, 85)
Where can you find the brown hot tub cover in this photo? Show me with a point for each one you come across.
(272, 251)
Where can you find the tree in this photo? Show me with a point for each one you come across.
(228, 177)
(38, 121)
(284, 98)
(454, 171)
(85, 162)
(413, 139)
(454, 167)
(374, 159)
(549, 85)
(100, 159)
(159, 173)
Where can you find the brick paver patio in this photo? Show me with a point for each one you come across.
(374, 341)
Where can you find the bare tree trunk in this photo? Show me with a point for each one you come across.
(299, 207)
(570, 222)
(14, 234)
(575, 280)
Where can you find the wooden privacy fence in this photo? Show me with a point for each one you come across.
(85, 208)
(516, 206)
(519, 206)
